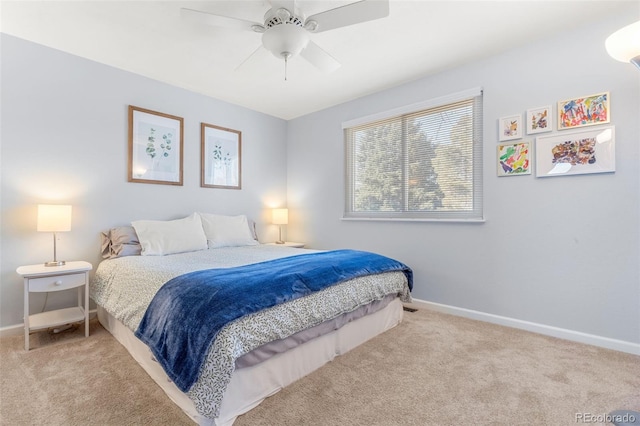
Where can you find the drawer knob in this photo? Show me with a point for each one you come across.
(59, 282)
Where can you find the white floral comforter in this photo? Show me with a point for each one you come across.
(125, 286)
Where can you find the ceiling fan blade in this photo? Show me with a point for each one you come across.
(216, 20)
(290, 5)
(353, 13)
(249, 58)
(319, 58)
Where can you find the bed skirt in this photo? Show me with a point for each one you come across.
(249, 386)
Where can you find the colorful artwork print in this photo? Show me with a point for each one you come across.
(514, 159)
(510, 127)
(539, 120)
(585, 111)
(577, 153)
(582, 151)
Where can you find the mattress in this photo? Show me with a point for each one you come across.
(124, 287)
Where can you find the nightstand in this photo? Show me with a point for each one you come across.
(42, 279)
(287, 244)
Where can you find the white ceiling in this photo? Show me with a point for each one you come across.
(418, 38)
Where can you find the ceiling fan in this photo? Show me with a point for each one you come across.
(286, 30)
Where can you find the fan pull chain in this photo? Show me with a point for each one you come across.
(286, 56)
(285, 68)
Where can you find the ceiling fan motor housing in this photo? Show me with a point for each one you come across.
(285, 34)
(282, 16)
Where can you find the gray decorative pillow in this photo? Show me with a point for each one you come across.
(252, 228)
(120, 241)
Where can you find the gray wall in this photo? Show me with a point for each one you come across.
(561, 252)
(64, 140)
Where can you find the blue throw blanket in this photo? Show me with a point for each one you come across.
(188, 311)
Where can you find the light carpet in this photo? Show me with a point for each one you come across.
(433, 369)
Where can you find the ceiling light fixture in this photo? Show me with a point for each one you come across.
(624, 44)
(285, 36)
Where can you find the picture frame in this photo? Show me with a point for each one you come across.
(155, 147)
(514, 159)
(220, 157)
(539, 120)
(510, 127)
(584, 111)
(565, 154)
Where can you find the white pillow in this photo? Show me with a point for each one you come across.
(227, 231)
(160, 237)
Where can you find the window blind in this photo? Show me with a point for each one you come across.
(420, 164)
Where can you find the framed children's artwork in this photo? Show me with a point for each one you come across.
(587, 151)
(155, 147)
(585, 111)
(221, 157)
(539, 120)
(514, 159)
(510, 127)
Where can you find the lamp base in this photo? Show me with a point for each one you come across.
(279, 242)
(55, 263)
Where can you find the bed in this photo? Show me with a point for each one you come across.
(257, 352)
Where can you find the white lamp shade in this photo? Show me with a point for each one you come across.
(54, 218)
(280, 216)
(285, 39)
(624, 44)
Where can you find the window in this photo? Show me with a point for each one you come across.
(423, 161)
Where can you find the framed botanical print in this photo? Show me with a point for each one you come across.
(221, 157)
(155, 147)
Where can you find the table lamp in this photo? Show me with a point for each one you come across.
(54, 218)
(280, 217)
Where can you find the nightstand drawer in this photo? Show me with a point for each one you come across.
(56, 283)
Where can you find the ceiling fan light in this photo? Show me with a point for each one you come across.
(624, 44)
(285, 39)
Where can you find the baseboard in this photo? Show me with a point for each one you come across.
(12, 330)
(562, 333)
(18, 329)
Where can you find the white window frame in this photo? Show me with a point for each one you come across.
(474, 215)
